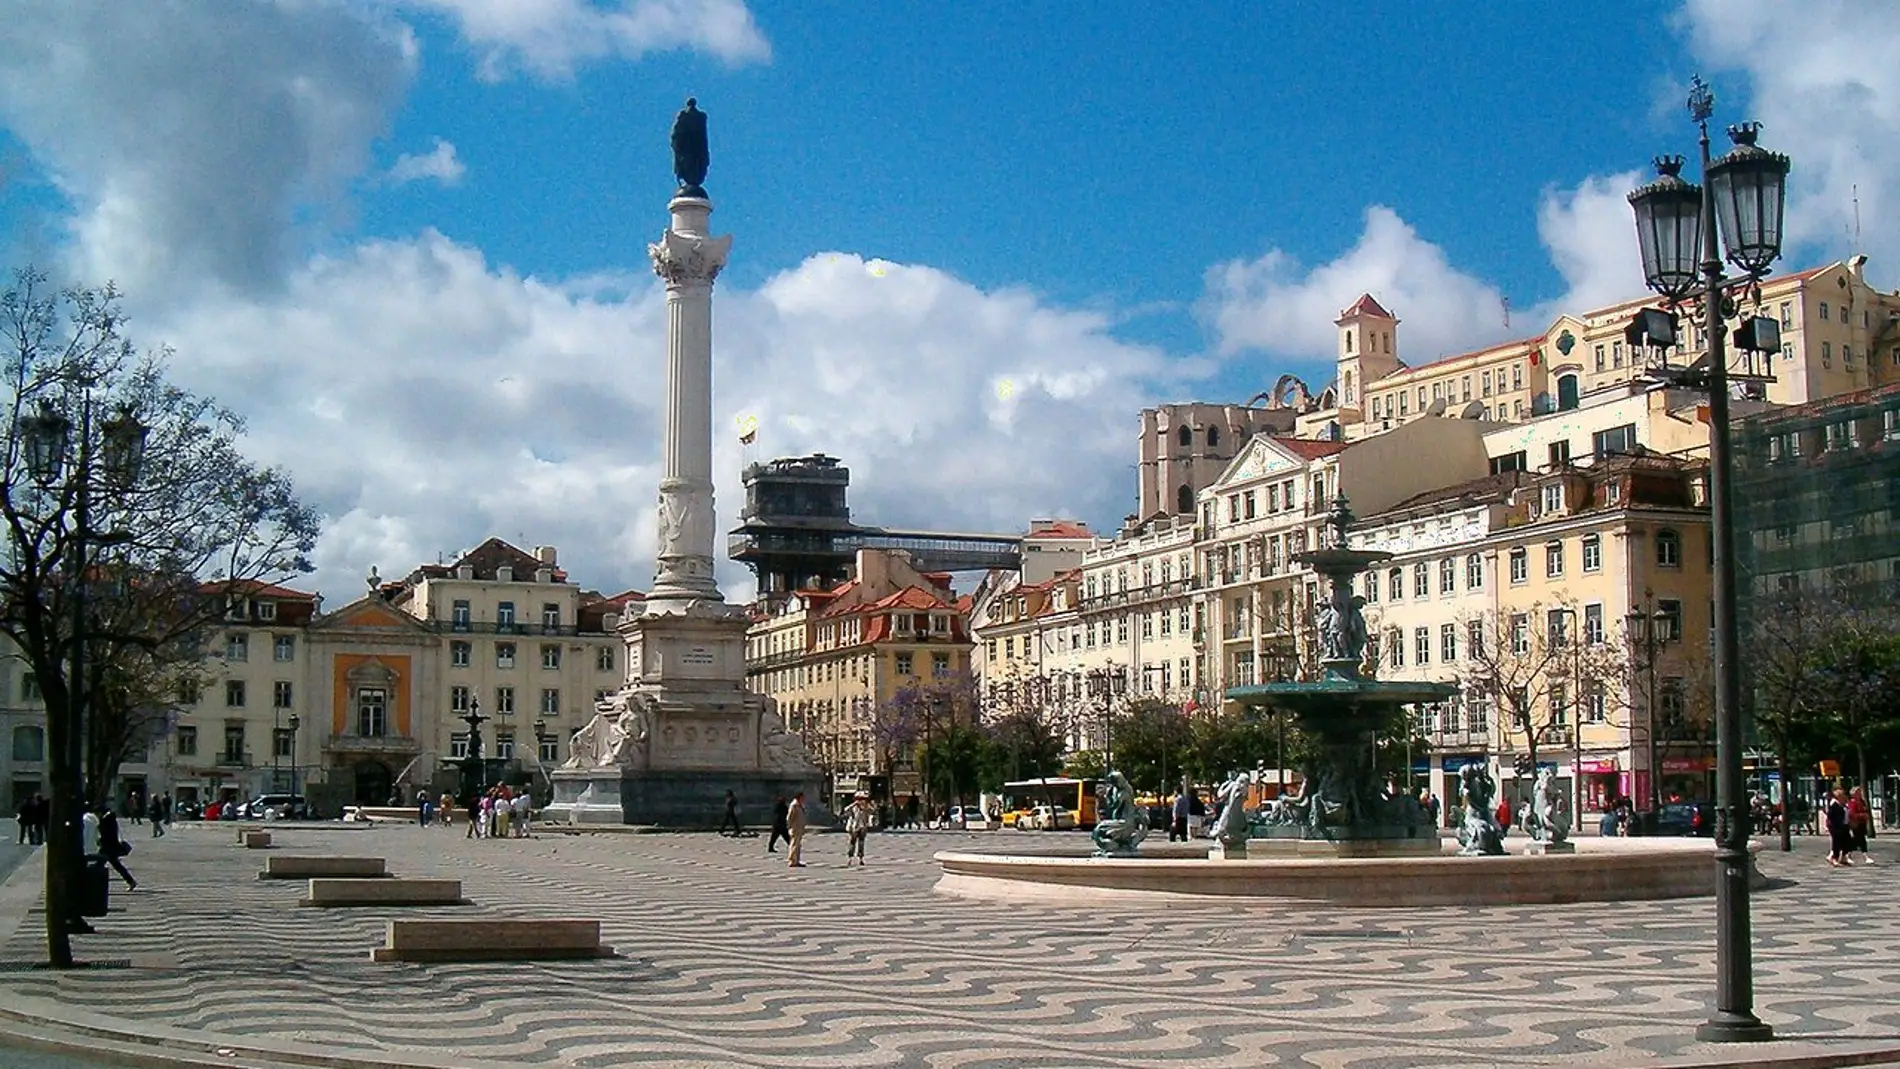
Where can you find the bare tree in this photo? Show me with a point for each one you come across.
(108, 556)
(1524, 662)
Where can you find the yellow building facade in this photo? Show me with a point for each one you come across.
(837, 660)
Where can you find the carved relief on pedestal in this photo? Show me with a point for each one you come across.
(619, 735)
(688, 261)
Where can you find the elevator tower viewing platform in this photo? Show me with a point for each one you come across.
(796, 531)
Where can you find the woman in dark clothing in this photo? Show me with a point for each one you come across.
(113, 848)
(1840, 837)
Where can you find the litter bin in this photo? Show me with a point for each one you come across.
(94, 889)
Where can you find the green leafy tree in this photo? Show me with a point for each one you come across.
(111, 543)
(1151, 745)
(1783, 657)
(1023, 743)
(1857, 677)
(1084, 764)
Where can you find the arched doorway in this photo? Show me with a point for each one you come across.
(1566, 392)
(372, 782)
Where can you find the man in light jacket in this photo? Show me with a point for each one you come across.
(795, 823)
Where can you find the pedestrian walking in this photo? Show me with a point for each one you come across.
(779, 830)
(795, 832)
(113, 847)
(24, 814)
(1860, 821)
(161, 812)
(135, 808)
(731, 819)
(1839, 834)
(1504, 817)
(446, 810)
(857, 826)
(1178, 826)
(42, 815)
(474, 816)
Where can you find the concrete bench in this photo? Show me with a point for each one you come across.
(293, 867)
(492, 939)
(384, 892)
(254, 840)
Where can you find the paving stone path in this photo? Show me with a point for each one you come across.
(729, 957)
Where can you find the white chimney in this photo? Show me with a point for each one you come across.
(546, 555)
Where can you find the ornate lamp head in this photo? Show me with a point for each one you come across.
(1669, 229)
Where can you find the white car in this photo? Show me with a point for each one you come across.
(1047, 818)
(967, 816)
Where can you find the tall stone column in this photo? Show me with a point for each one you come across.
(689, 259)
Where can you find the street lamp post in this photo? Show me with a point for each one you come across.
(1108, 684)
(295, 723)
(45, 438)
(1576, 641)
(1649, 621)
(1741, 199)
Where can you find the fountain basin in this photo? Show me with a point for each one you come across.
(1602, 870)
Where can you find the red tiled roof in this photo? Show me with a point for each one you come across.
(1365, 305)
(254, 588)
(1309, 448)
(1060, 529)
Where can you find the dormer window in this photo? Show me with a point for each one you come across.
(1553, 498)
(266, 610)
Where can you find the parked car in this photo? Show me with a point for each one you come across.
(966, 816)
(276, 807)
(1048, 818)
(1683, 818)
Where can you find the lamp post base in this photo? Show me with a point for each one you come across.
(1730, 1027)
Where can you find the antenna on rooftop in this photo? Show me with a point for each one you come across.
(1856, 216)
(1506, 302)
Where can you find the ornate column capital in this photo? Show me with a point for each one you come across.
(683, 260)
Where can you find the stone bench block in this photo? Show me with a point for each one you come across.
(254, 840)
(293, 867)
(384, 892)
(492, 939)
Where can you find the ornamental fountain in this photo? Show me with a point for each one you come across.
(1346, 840)
(1343, 809)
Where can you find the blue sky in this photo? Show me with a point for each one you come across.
(407, 237)
(1101, 155)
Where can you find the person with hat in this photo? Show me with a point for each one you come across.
(857, 824)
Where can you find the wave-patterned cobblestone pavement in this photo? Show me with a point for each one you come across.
(729, 957)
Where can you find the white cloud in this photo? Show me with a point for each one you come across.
(425, 399)
(189, 138)
(439, 164)
(549, 38)
(1818, 80)
(1275, 305)
(1590, 234)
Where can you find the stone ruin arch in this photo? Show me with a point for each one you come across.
(1300, 399)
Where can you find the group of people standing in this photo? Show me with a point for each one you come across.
(500, 812)
(1849, 820)
(33, 813)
